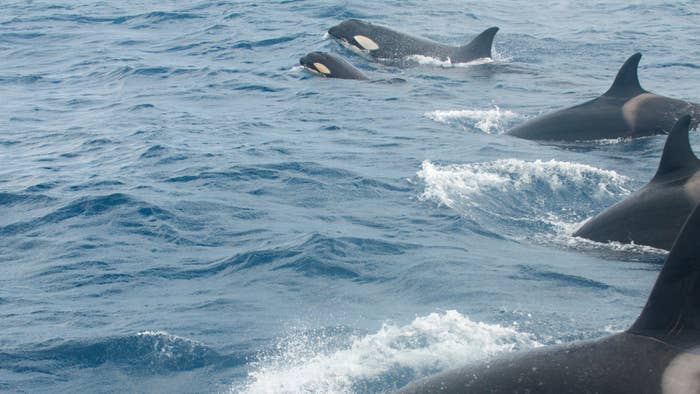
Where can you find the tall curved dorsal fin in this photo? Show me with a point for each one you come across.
(478, 48)
(627, 82)
(678, 154)
(672, 312)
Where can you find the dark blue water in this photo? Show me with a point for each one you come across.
(183, 209)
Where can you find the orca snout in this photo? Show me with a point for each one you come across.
(310, 59)
(335, 31)
(316, 62)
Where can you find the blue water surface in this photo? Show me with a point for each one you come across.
(184, 209)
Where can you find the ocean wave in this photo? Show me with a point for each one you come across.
(154, 151)
(522, 198)
(310, 168)
(127, 72)
(150, 70)
(11, 37)
(92, 185)
(234, 174)
(135, 21)
(12, 199)
(118, 211)
(686, 65)
(156, 17)
(340, 12)
(305, 362)
(87, 206)
(313, 256)
(539, 274)
(147, 352)
(276, 178)
(25, 79)
(258, 88)
(75, 18)
(489, 121)
(245, 44)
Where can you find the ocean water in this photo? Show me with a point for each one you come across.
(184, 209)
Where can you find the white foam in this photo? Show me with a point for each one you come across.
(433, 61)
(496, 57)
(304, 364)
(609, 141)
(499, 57)
(514, 197)
(165, 346)
(489, 121)
(610, 329)
(467, 182)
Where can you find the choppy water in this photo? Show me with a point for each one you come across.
(182, 208)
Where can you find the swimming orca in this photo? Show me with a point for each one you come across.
(654, 214)
(384, 43)
(658, 354)
(330, 65)
(624, 111)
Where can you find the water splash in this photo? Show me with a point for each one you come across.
(433, 61)
(496, 57)
(147, 352)
(304, 363)
(467, 183)
(489, 121)
(538, 200)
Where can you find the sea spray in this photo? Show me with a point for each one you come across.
(302, 363)
(490, 121)
(523, 199)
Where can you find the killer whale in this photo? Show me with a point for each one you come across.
(385, 43)
(331, 65)
(658, 354)
(626, 110)
(654, 214)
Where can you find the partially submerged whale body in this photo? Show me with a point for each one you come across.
(330, 65)
(381, 42)
(624, 111)
(654, 214)
(660, 353)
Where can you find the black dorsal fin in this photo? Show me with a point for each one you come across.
(478, 48)
(627, 82)
(678, 155)
(672, 312)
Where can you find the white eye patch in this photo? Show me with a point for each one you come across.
(366, 43)
(322, 68)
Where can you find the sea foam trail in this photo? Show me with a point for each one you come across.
(465, 183)
(306, 364)
(433, 61)
(521, 198)
(496, 57)
(490, 121)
